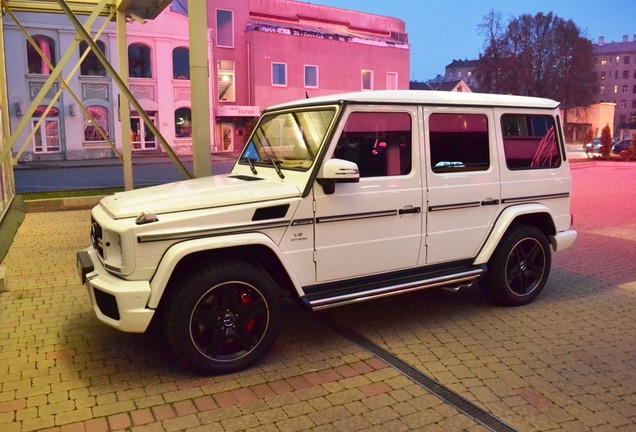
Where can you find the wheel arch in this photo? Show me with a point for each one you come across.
(183, 257)
(529, 214)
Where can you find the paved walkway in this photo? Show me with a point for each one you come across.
(566, 362)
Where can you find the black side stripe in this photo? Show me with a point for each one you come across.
(188, 235)
(356, 216)
(535, 198)
(454, 206)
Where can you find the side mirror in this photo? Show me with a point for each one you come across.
(337, 171)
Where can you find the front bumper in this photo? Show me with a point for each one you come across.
(118, 303)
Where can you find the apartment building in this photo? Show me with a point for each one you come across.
(615, 74)
(262, 52)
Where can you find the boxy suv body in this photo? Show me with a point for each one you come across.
(336, 200)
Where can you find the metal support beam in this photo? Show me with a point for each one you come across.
(200, 81)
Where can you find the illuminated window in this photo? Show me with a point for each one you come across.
(603, 75)
(367, 80)
(224, 28)
(615, 89)
(601, 89)
(279, 74)
(603, 62)
(183, 123)
(226, 85)
(91, 65)
(99, 115)
(37, 64)
(139, 65)
(181, 63)
(618, 59)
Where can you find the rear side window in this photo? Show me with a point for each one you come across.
(530, 142)
(459, 142)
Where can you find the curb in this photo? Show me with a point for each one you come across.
(61, 204)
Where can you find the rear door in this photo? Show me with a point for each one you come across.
(463, 181)
(375, 225)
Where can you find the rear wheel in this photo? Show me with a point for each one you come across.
(519, 268)
(223, 319)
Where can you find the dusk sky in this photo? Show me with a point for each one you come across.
(442, 30)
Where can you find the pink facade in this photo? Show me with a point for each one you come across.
(284, 50)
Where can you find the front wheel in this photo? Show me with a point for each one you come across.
(222, 319)
(519, 268)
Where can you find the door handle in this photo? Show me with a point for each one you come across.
(410, 210)
(490, 202)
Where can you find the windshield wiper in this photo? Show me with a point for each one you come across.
(251, 164)
(275, 163)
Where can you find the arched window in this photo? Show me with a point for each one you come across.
(181, 63)
(36, 64)
(100, 115)
(91, 64)
(47, 136)
(139, 65)
(183, 123)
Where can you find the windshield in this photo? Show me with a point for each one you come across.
(289, 140)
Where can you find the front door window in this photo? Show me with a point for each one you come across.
(47, 135)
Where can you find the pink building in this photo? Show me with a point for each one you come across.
(272, 51)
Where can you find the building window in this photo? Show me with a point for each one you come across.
(530, 142)
(601, 89)
(634, 90)
(91, 66)
(378, 142)
(603, 62)
(626, 60)
(139, 65)
(279, 74)
(224, 28)
(618, 59)
(100, 118)
(602, 75)
(634, 103)
(623, 104)
(459, 142)
(367, 80)
(181, 63)
(46, 138)
(311, 76)
(391, 80)
(183, 123)
(625, 74)
(226, 85)
(615, 89)
(37, 64)
(624, 89)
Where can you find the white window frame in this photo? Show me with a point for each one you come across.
(278, 84)
(362, 74)
(305, 76)
(391, 80)
(44, 139)
(216, 22)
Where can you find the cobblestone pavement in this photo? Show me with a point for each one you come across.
(566, 362)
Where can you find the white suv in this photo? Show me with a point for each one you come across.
(336, 200)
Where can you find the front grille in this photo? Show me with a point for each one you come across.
(96, 237)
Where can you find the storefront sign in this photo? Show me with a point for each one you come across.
(238, 111)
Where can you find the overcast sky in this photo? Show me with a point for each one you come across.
(442, 30)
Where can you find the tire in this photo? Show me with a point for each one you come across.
(222, 319)
(519, 268)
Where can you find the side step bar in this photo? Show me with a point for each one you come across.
(315, 303)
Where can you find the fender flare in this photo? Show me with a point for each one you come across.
(173, 256)
(503, 222)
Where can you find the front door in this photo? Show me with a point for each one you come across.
(375, 225)
(142, 137)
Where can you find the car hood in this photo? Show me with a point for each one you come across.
(207, 192)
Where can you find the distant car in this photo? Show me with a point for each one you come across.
(622, 145)
(594, 147)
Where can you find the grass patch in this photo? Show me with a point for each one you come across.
(69, 194)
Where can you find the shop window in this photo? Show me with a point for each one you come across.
(181, 63)
(279, 74)
(226, 84)
(183, 123)
(47, 135)
(100, 116)
(37, 64)
(224, 28)
(139, 64)
(91, 66)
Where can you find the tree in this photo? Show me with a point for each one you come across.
(541, 55)
(606, 141)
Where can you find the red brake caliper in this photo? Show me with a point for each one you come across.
(246, 299)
